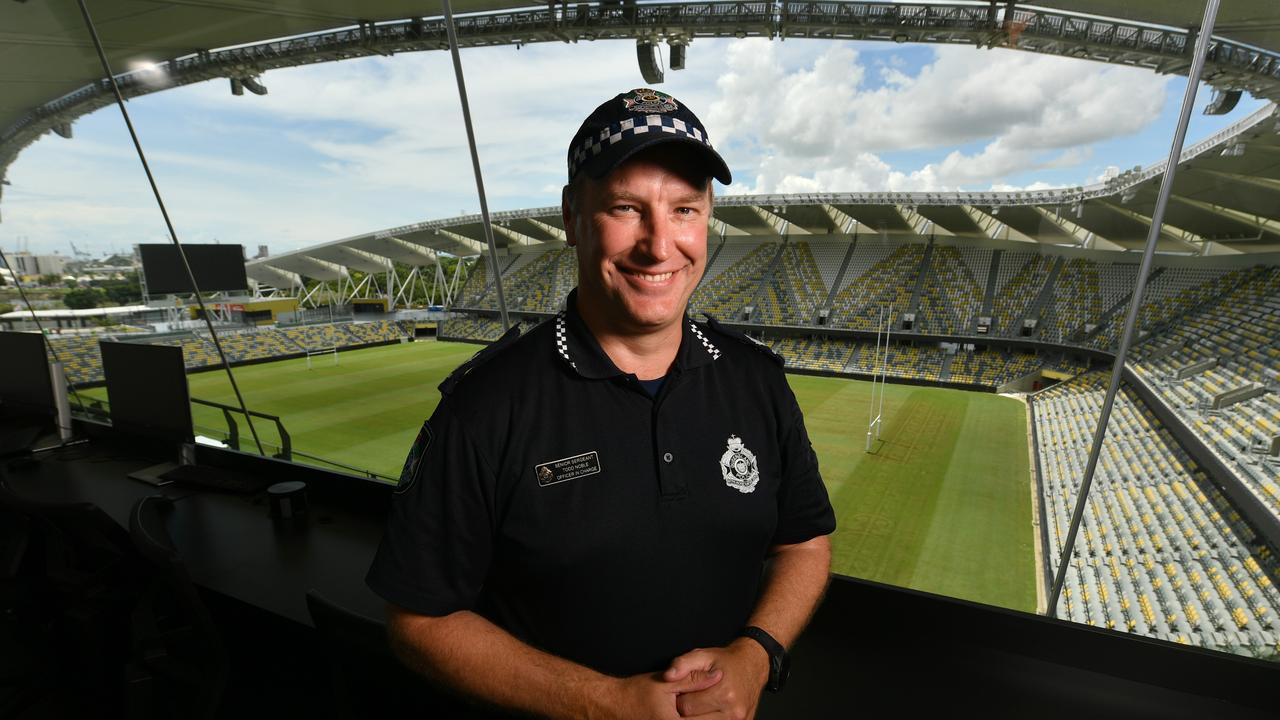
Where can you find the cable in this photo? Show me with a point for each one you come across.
(173, 235)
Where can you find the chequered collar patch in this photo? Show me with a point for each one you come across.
(562, 340)
(631, 127)
(575, 346)
(710, 347)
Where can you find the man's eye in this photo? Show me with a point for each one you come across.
(624, 208)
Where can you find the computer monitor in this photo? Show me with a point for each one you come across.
(26, 388)
(147, 391)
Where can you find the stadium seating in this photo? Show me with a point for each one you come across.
(1077, 299)
(1021, 276)
(792, 295)
(732, 288)
(84, 363)
(81, 361)
(1238, 335)
(1161, 552)
(991, 368)
(814, 353)
(952, 298)
(471, 327)
(886, 283)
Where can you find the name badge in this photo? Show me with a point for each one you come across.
(570, 468)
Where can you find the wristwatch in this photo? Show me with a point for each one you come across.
(779, 660)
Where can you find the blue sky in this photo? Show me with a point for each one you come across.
(339, 149)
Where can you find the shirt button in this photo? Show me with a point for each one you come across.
(668, 457)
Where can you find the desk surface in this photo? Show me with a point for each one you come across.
(230, 543)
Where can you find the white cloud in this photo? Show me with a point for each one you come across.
(828, 128)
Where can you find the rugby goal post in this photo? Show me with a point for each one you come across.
(879, 370)
(318, 353)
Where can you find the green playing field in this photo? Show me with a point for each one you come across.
(942, 504)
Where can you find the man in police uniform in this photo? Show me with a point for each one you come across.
(618, 514)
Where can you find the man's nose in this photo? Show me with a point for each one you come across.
(659, 242)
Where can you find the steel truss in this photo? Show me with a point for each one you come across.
(419, 286)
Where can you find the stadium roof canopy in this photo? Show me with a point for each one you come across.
(52, 76)
(1226, 199)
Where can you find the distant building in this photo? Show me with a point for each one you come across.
(27, 265)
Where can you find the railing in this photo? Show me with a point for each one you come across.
(285, 449)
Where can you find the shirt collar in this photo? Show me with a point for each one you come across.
(577, 346)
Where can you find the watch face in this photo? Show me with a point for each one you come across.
(784, 669)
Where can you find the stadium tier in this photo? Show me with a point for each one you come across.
(1067, 297)
(83, 363)
(1161, 551)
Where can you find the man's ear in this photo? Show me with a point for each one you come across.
(566, 216)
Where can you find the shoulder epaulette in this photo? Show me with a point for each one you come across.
(480, 358)
(743, 338)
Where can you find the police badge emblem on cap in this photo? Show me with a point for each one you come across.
(644, 100)
(738, 466)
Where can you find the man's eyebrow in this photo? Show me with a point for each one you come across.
(616, 195)
(696, 196)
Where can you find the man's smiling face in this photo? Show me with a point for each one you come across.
(641, 235)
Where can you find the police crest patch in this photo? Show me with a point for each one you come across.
(644, 100)
(409, 473)
(738, 465)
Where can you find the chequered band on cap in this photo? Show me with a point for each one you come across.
(632, 127)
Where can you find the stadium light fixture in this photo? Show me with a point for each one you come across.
(1235, 149)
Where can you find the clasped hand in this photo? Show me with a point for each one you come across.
(722, 683)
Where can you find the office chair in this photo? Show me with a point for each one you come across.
(367, 679)
(179, 665)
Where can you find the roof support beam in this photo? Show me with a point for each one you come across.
(427, 255)
(1189, 241)
(1264, 183)
(923, 226)
(992, 227)
(840, 219)
(1262, 224)
(476, 248)
(518, 237)
(1084, 238)
(777, 221)
(550, 229)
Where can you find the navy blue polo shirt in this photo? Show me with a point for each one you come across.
(550, 493)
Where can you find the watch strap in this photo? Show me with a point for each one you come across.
(777, 656)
